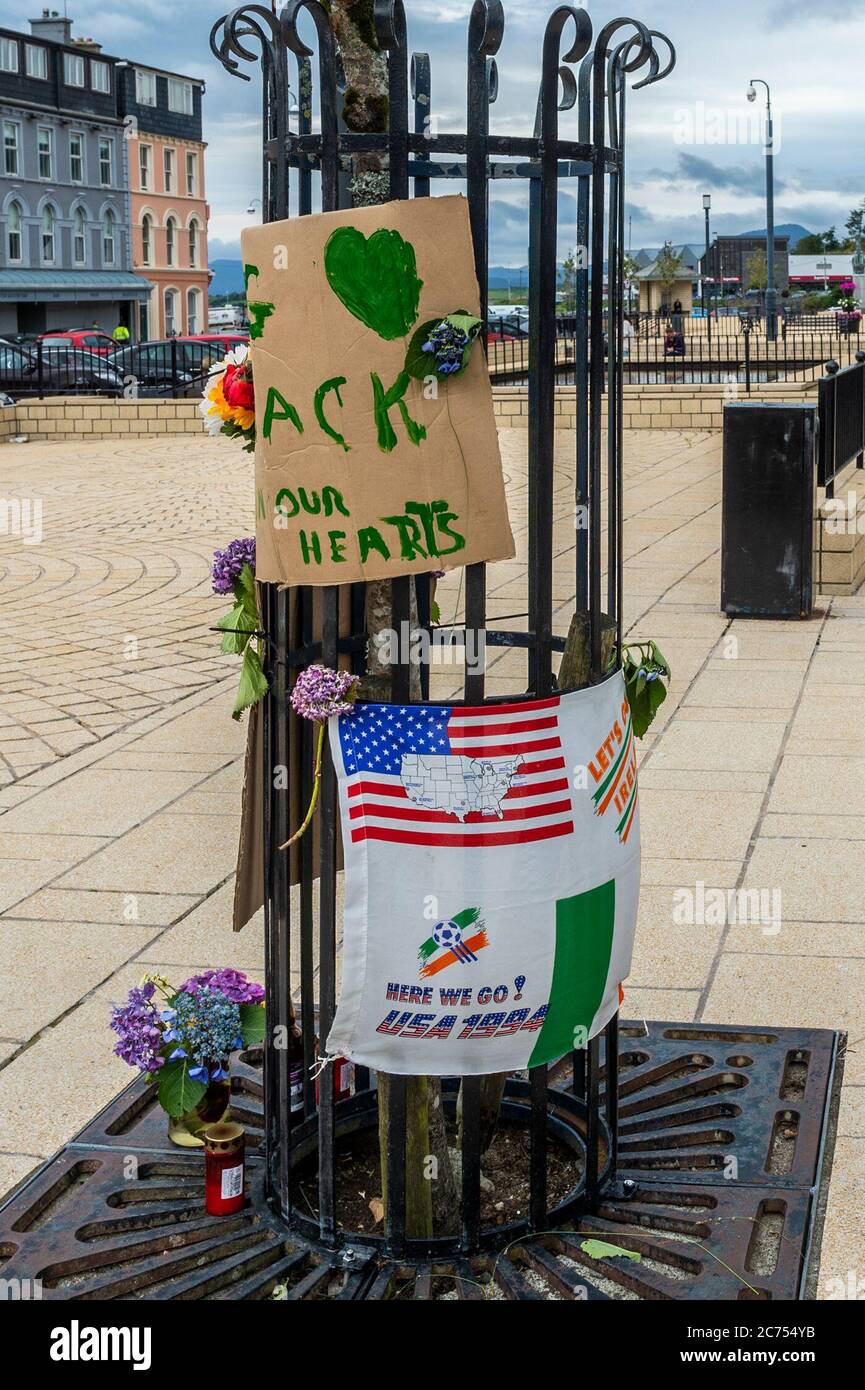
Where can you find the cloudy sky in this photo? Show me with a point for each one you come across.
(686, 136)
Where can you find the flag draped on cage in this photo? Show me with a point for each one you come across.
(492, 869)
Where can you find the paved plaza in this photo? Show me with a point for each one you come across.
(120, 769)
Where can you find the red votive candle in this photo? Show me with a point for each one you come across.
(223, 1168)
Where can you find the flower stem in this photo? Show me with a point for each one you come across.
(316, 788)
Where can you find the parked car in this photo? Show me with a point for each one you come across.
(92, 338)
(224, 341)
(62, 370)
(505, 330)
(172, 367)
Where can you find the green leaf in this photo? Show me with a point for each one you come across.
(253, 682)
(252, 1023)
(178, 1093)
(659, 660)
(237, 628)
(435, 612)
(420, 364)
(604, 1250)
(244, 587)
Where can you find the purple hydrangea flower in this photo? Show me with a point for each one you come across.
(447, 344)
(228, 563)
(138, 1031)
(320, 692)
(232, 983)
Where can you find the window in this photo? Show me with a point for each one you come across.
(180, 96)
(76, 156)
(145, 166)
(193, 243)
(13, 232)
(146, 238)
(168, 166)
(170, 242)
(100, 76)
(191, 175)
(145, 87)
(79, 237)
(11, 146)
(192, 298)
(73, 69)
(48, 221)
(105, 161)
(9, 55)
(109, 228)
(36, 60)
(45, 149)
(170, 313)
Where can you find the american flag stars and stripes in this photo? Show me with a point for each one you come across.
(456, 776)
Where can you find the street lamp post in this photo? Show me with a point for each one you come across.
(707, 314)
(771, 295)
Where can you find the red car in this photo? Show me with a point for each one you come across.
(91, 338)
(224, 341)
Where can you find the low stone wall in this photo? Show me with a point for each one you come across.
(74, 417)
(651, 407)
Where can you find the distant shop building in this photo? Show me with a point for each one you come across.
(66, 253)
(730, 261)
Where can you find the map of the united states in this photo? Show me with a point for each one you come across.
(458, 785)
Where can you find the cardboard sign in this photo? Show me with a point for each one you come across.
(362, 470)
(505, 842)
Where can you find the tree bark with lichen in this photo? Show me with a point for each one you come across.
(431, 1196)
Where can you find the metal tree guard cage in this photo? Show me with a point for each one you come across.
(576, 1100)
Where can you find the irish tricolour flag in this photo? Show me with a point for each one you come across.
(492, 870)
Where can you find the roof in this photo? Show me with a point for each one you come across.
(683, 272)
(73, 284)
(690, 255)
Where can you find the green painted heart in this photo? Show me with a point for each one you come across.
(375, 278)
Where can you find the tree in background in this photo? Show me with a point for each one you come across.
(855, 223)
(756, 271)
(819, 243)
(568, 282)
(668, 269)
(631, 271)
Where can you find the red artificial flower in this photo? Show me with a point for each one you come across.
(239, 393)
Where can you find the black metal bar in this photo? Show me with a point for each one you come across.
(611, 1070)
(327, 937)
(593, 1126)
(538, 1149)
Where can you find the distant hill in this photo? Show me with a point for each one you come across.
(502, 276)
(793, 230)
(227, 277)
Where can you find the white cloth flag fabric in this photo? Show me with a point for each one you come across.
(492, 869)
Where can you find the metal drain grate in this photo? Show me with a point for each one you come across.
(722, 1129)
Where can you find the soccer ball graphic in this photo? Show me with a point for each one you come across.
(447, 935)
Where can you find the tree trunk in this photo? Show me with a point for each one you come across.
(431, 1198)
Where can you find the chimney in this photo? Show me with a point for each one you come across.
(52, 25)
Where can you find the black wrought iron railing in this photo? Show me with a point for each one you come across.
(656, 353)
(841, 402)
(175, 368)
